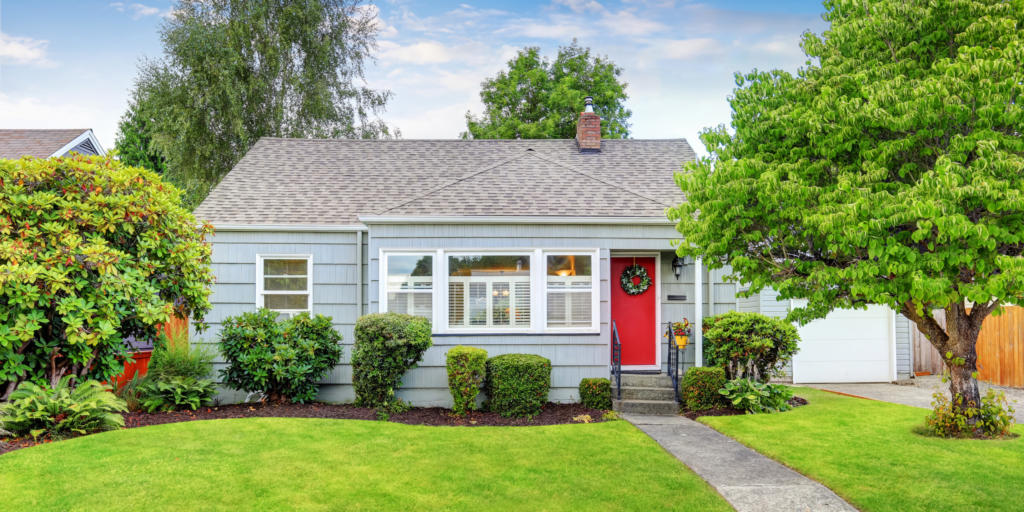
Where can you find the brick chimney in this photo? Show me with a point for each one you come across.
(588, 130)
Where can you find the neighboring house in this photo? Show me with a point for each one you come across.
(46, 143)
(514, 246)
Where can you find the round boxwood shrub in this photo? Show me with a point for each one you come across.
(596, 393)
(701, 386)
(387, 346)
(517, 385)
(283, 360)
(749, 345)
(467, 367)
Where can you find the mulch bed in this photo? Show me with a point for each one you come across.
(551, 414)
(731, 411)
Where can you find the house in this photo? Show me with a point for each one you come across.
(46, 143)
(514, 246)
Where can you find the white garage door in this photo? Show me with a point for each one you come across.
(846, 346)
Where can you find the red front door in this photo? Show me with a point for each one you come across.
(635, 316)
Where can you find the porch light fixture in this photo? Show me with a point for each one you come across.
(677, 267)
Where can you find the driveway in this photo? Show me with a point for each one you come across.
(919, 394)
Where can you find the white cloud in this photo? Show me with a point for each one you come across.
(32, 113)
(628, 23)
(468, 11)
(141, 11)
(433, 52)
(687, 49)
(118, 6)
(559, 28)
(24, 51)
(580, 6)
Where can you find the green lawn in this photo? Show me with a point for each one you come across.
(865, 452)
(310, 464)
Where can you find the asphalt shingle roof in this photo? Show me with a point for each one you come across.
(332, 181)
(36, 143)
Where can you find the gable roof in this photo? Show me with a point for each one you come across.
(333, 182)
(47, 143)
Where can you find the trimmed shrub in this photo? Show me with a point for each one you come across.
(749, 345)
(596, 393)
(467, 367)
(61, 412)
(387, 346)
(700, 388)
(283, 360)
(517, 385)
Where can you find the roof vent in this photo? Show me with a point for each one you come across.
(589, 102)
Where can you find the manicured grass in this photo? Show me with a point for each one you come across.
(866, 452)
(311, 464)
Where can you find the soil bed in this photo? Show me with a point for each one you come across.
(552, 414)
(731, 411)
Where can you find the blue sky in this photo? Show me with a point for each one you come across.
(70, 64)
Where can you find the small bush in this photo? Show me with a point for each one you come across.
(517, 385)
(757, 397)
(467, 367)
(283, 360)
(387, 346)
(951, 419)
(596, 393)
(179, 356)
(700, 388)
(749, 345)
(175, 393)
(61, 412)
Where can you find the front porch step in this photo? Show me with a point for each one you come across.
(642, 393)
(645, 381)
(661, 407)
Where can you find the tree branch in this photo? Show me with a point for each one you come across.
(926, 324)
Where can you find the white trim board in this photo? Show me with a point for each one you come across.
(288, 228)
(388, 219)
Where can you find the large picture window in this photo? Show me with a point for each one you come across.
(285, 283)
(489, 291)
(410, 284)
(484, 291)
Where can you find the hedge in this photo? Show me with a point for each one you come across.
(467, 367)
(517, 385)
(387, 346)
(701, 386)
(749, 345)
(596, 393)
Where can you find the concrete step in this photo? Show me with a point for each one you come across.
(645, 407)
(641, 393)
(645, 381)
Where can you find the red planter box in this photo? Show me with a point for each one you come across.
(141, 365)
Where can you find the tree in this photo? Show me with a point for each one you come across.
(134, 142)
(92, 251)
(892, 172)
(537, 99)
(234, 71)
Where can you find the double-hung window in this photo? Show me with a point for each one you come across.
(483, 291)
(410, 284)
(285, 283)
(489, 291)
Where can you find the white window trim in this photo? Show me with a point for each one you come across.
(538, 287)
(260, 292)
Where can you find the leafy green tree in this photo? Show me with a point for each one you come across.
(538, 99)
(234, 71)
(92, 251)
(134, 142)
(892, 172)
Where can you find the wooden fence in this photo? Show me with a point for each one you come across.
(1000, 348)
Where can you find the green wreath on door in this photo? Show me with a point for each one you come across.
(627, 279)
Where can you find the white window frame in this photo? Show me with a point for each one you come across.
(383, 301)
(538, 287)
(260, 292)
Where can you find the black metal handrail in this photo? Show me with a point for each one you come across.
(617, 361)
(674, 360)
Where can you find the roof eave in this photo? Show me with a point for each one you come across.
(455, 219)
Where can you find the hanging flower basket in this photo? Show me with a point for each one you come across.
(681, 331)
(627, 279)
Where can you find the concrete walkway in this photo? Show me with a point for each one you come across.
(750, 481)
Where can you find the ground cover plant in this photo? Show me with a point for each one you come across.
(866, 451)
(467, 367)
(517, 385)
(596, 393)
(889, 170)
(301, 464)
(757, 397)
(387, 346)
(283, 360)
(62, 411)
(91, 252)
(177, 376)
(749, 345)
